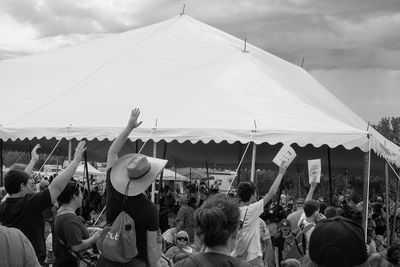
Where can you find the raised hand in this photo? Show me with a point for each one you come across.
(80, 148)
(133, 120)
(34, 154)
(282, 168)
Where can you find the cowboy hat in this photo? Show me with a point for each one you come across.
(136, 169)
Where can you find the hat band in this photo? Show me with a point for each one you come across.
(143, 174)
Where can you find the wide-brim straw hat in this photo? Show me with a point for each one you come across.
(142, 169)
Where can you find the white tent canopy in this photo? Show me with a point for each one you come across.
(193, 79)
(92, 170)
(169, 175)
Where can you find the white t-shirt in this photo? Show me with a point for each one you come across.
(251, 228)
(308, 234)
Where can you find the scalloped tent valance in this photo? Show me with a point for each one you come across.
(193, 79)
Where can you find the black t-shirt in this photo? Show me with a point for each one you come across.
(69, 228)
(212, 259)
(25, 213)
(140, 208)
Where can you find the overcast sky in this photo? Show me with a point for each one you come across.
(351, 46)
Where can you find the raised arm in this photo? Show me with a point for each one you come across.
(61, 181)
(275, 186)
(119, 142)
(311, 191)
(34, 159)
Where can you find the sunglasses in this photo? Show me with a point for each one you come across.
(182, 239)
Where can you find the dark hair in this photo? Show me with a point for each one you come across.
(69, 191)
(245, 191)
(330, 212)
(216, 220)
(322, 207)
(393, 254)
(13, 180)
(310, 206)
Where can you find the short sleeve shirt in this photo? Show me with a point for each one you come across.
(68, 228)
(16, 249)
(25, 213)
(251, 229)
(140, 208)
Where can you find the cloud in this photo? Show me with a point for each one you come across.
(371, 93)
(329, 34)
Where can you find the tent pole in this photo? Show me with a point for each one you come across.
(69, 151)
(367, 164)
(208, 178)
(190, 174)
(160, 184)
(239, 160)
(299, 179)
(175, 163)
(1, 162)
(87, 175)
(153, 185)
(346, 172)
(330, 176)
(387, 201)
(253, 163)
(395, 211)
(29, 153)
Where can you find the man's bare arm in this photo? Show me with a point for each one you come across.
(275, 186)
(61, 181)
(34, 159)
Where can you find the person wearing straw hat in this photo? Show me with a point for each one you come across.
(127, 179)
(23, 209)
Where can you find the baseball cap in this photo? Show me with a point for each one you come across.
(300, 201)
(338, 241)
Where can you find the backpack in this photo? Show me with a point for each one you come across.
(295, 243)
(117, 242)
(242, 243)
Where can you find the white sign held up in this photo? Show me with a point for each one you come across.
(286, 154)
(314, 170)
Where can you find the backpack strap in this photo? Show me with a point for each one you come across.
(244, 219)
(125, 196)
(74, 254)
(304, 230)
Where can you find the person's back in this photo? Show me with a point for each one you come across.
(23, 209)
(338, 241)
(294, 217)
(25, 213)
(140, 208)
(217, 224)
(127, 179)
(250, 211)
(16, 249)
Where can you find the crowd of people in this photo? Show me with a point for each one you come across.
(59, 222)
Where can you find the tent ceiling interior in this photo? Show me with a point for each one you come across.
(222, 155)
